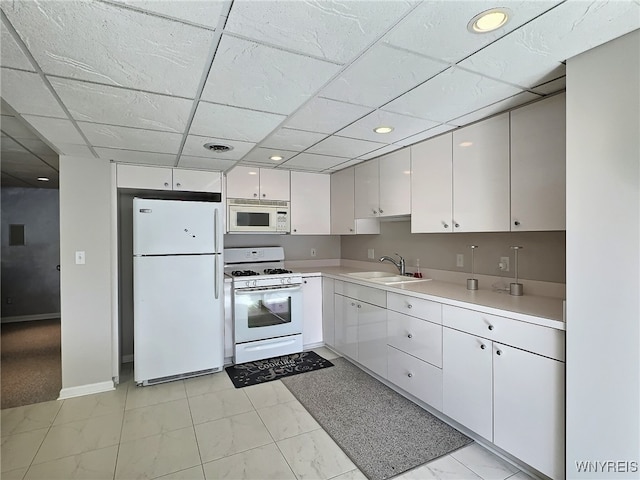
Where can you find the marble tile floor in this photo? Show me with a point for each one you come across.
(201, 428)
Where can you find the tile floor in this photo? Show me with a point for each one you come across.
(201, 428)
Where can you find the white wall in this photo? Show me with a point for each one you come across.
(603, 259)
(85, 225)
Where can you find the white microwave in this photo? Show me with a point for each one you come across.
(257, 216)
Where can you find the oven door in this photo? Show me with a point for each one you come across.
(267, 312)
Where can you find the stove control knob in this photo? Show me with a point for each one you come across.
(255, 283)
(289, 280)
(282, 281)
(247, 283)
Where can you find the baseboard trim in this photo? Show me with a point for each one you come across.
(29, 318)
(89, 389)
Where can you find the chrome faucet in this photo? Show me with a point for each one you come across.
(399, 264)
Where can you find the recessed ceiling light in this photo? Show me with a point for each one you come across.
(43, 179)
(489, 20)
(218, 147)
(253, 172)
(383, 129)
(275, 158)
(465, 144)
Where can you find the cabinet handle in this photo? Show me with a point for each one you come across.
(166, 184)
(498, 352)
(445, 225)
(305, 281)
(490, 327)
(177, 185)
(353, 304)
(516, 223)
(409, 306)
(374, 211)
(295, 229)
(255, 195)
(264, 195)
(457, 225)
(410, 336)
(359, 306)
(482, 346)
(351, 229)
(409, 374)
(380, 210)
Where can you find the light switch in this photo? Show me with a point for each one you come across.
(79, 258)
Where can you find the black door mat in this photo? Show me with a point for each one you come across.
(262, 371)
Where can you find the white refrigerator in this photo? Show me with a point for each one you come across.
(177, 289)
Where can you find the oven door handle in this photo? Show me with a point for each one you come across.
(250, 290)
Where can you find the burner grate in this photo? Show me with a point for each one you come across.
(276, 271)
(244, 273)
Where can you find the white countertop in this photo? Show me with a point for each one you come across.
(544, 311)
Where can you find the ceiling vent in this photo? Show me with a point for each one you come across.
(218, 147)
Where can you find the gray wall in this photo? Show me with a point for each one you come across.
(543, 256)
(29, 275)
(296, 247)
(603, 259)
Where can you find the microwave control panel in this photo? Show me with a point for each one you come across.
(282, 221)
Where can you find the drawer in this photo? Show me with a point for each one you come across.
(416, 337)
(526, 336)
(416, 307)
(420, 379)
(371, 295)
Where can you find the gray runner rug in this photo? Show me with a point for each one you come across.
(382, 432)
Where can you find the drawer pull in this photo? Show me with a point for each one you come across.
(410, 336)
(409, 306)
(353, 304)
(498, 352)
(409, 374)
(166, 184)
(490, 327)
(483, 346)
(359, 306)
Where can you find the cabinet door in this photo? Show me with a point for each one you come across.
(346, 328)
(419, 378)
(416, 337)
(466, 381)
(432, 185)
(342, 203)
(528, 408)
(243, 182)
(312, 310)
(197, 181)
(310, 203)
(328, 312)
(274, 184)
(151, 178)
(538, 160)
(481, 176)
(395, 183)
(366, 188)
(372, 337)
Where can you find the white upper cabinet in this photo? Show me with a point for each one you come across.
(161, 178)
(343, 221)
(395, 183)
(258, 183)
(432, 185)
(310, 203)
(367, 190)
(538, 173)
(481, 176)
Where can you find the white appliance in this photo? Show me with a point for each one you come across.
(177, 289)
(267, 304)
(258, 216)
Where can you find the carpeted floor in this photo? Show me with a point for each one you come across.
(31, 365)
(382, 432)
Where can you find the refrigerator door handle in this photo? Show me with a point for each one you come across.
(217, 253)
(216, 285)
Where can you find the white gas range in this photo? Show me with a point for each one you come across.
(266, 302)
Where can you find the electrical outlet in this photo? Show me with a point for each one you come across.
(370, 254)
(313, 252)
(504, 264)
(460, 260)
(80, 258)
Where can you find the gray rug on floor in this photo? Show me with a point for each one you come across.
(382, 432)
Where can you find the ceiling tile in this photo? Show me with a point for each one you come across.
(402, 124)
(515, 60)
(498, 107)
(106, 44)
(15, 128)
(254, 76)
(91, 102)
(344, 147)
(201, 12)
(261, 155)
(74, 150)
(11, 55)
(205, 163)
(194, 148)
(333, 30)
(55, 129)
(37, 146)
(380, 75)
(326, 116)
(233, 123)
(451, 94)
(290, 139)
(551, 87)
(126, 138)
(432, 132)
(11, 146)
(310, 161)
(439, 28)
(132, 156)
(381, 151)
(27, 94)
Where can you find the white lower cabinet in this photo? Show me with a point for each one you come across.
(420, 379)
(372, 337)
(311, 310)
(346, 326)
(328, 312)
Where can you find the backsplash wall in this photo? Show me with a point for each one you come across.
(296, 247)
(542, 258)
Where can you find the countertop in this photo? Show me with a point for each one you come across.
(544, 311)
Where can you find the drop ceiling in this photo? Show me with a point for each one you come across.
(150, 82)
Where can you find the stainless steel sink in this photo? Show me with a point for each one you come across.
(386, 278)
